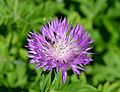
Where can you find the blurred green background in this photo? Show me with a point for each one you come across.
(101, 18)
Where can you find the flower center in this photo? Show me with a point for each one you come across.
(61, 50)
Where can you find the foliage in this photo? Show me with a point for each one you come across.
(100, 17)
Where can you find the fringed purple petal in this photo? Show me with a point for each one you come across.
(41, 64)
(64, 74)
(75, 70)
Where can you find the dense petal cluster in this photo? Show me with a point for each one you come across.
(59, 46)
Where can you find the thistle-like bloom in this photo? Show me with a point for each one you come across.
(59, 46)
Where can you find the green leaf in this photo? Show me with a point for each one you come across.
(78, 87)
(46, 81)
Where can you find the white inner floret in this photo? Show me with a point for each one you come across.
(61, 50)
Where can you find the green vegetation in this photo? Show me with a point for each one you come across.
(100, 17)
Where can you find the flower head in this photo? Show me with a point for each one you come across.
(59, 47)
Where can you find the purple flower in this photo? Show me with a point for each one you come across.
(59, 46)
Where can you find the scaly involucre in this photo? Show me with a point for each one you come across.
(59, 46)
